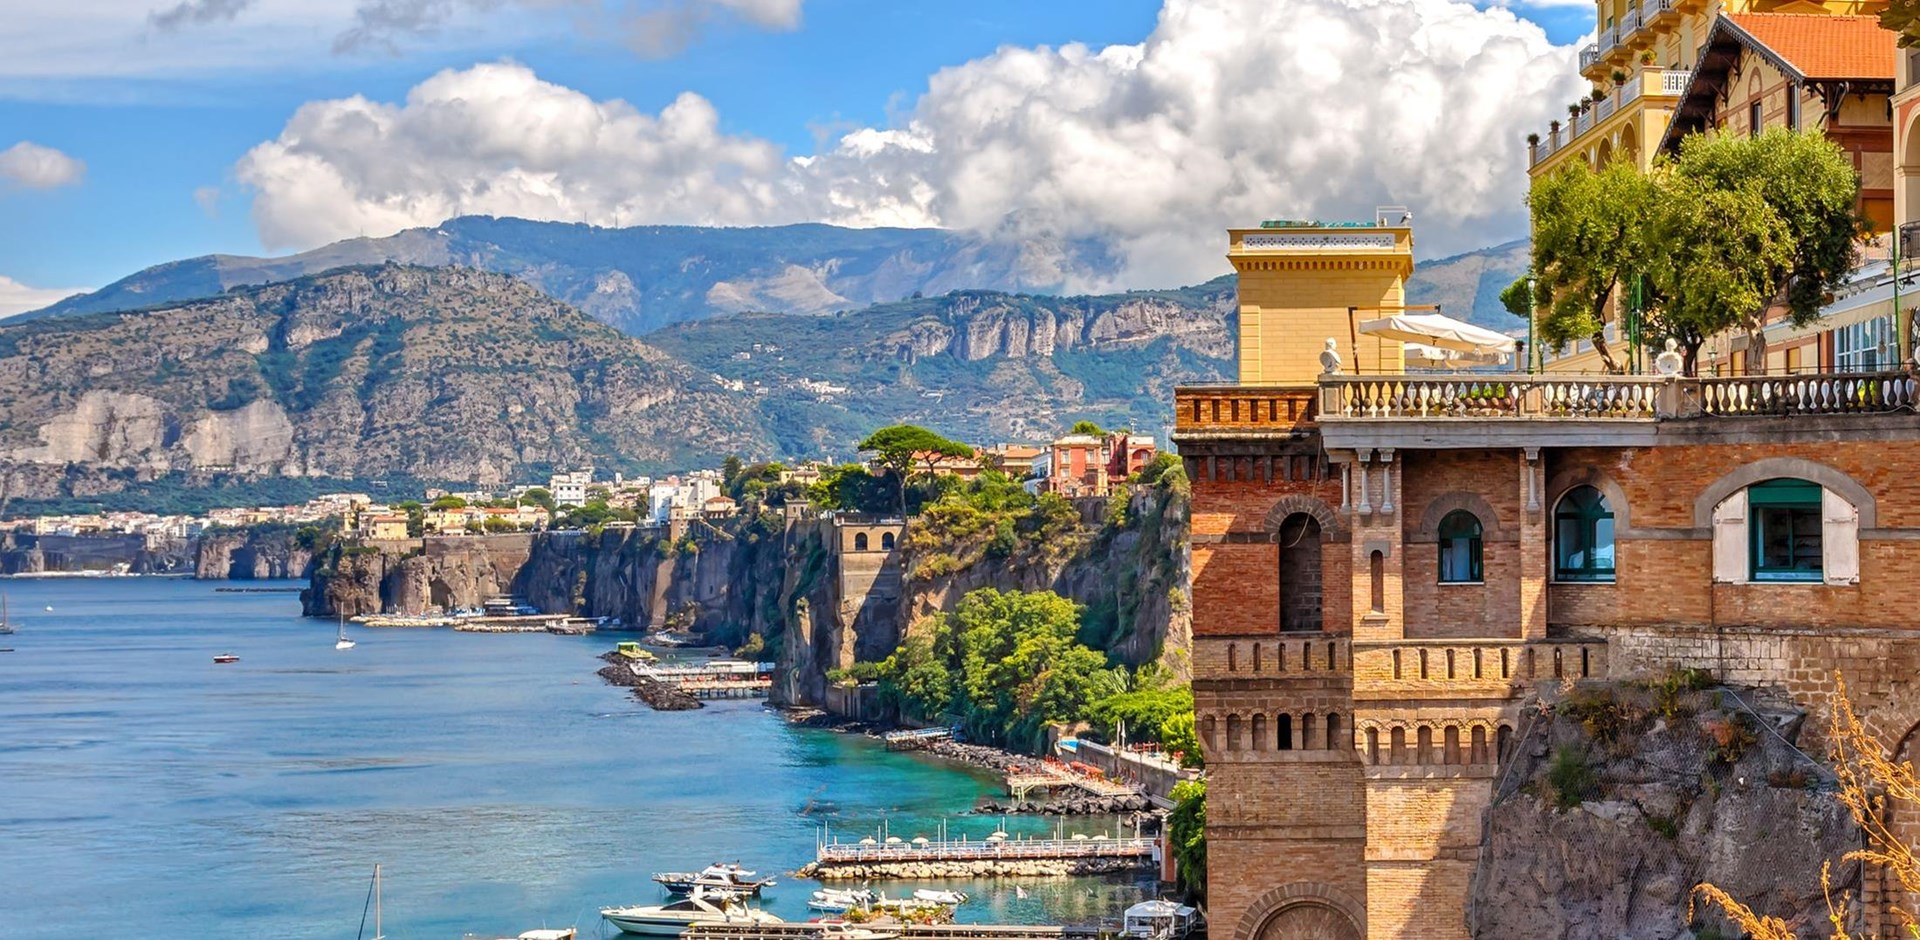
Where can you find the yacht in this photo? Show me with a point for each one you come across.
(840, 900)
(6, 626)
(672, 919)
(717, 878)
(947, 898)
(343, 643)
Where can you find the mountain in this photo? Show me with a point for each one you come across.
(1467, 286)
(365, 373)
(641, 279)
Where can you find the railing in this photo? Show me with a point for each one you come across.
(1651, 10)
(843, 853)
(1589, 56)
(1673, 82)
(1490, 397)
(1247, 407)
(1829, 393)
(1630, 22)
(1609, 38)
(1603, 107)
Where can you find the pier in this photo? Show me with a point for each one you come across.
(988, 850)
(1051, 775)
(722, 679)
(904, 931)
(916, 739)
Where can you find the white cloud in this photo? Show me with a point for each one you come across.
(1232, 111)
(36, 167)
(208, 199)
(16, 297)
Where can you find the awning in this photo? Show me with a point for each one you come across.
(1440, 332)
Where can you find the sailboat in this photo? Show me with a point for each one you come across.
(343, 643)
(6, 626)
(373, 899)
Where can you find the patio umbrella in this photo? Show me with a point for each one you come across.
(1439, 332)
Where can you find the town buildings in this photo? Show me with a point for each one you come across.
(1387, 566)
(1079, 464)
(569, 488)
(1663, 69)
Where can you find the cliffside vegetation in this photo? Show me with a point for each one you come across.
(1005, 665)
(1187, 829)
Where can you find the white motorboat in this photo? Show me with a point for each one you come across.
(343, 643)
(719, 878)
(948, 898)
(671, 920)
(840, 900)
(559, 933)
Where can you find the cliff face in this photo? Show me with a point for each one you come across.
(252, 554)
(23, 553)
(1623, 798)
(409, 578)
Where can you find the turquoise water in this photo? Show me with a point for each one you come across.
(146, 792)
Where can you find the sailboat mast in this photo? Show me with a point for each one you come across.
(378, 934)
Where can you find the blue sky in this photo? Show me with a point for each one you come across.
(161, 118)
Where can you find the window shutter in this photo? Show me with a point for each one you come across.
(1839, 539)
(1730, 548)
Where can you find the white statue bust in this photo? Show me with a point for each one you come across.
(1330, 359)
(1669, 362)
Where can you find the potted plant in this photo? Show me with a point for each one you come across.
(1573, 111)
(1554, 127)
(1619, 78)
(1533, 140)
(1646, 57)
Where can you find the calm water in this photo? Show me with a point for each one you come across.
(145, 792)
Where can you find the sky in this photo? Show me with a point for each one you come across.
(136, 132)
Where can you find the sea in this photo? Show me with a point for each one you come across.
(146, 792)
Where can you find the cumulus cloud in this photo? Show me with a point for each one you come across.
(196, 13)
(36, 167)
(1230, 112)
(16, 297)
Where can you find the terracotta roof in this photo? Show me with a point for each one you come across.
(1824, 46)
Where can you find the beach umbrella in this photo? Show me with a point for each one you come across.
(893, 840)
(868, 841)
(921, 840)
(1079, 837)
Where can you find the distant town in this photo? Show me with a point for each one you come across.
(1085, 462)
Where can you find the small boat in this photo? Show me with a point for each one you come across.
(343, 643)
(224, 658)
(717, 878)
(948, 898)
(840, 900)
(6, 626)
(673, 919)
(841, 930)
(557, 933)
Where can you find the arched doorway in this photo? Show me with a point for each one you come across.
(1309, 922)
(1299, 573)
(1630, 144)
(1302, 911)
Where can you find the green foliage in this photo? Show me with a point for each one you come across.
(496, 525)
(1180, 737)
(1187, 830)
(1004, 664)
(1570, 778)
(1088, 427)
(447, 502)
(1517, 298)
(756, 647)
(1902, 17)
(897, 447)
(539, 496)
(1163, 468)
(596, 512)
(856, 674)
(851, 488)
(1589, 233)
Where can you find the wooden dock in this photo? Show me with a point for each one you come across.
(977, 850)
(810, 931)
(916, 739)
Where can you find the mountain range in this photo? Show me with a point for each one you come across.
(412, 367)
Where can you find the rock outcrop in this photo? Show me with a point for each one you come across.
(26, 553)
(1620, 800)
(255, 554)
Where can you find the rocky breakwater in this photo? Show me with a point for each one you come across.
(257, 553)
(659, 696)
(972, 868)
(1074, 804)
(1621, 798)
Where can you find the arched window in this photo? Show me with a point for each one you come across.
(1583, 536)
(1299, 573)
(1784, 530)
(1459, 548)
(859, 541)
(886, 541)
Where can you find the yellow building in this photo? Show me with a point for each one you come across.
(1298, 284)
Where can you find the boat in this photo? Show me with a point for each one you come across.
(224, 658)
(841, 930)
(672, 919)
(373, 899)
(717, 878)
(556, 933)
(840, 900)
(6, 626)
(1158, 920)
(343, 643)
(933, 896)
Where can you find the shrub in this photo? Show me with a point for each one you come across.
(1569, 778)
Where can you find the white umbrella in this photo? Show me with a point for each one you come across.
(1433, 355)
(1439, 332)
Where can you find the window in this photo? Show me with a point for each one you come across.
(860, 541)
(886, 541)
(1753, 119)
(1785, 530)
(1864, 347)
(1583, 536)
(1459, 548)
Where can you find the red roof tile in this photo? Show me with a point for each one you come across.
(1824, 46)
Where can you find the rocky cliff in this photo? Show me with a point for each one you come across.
(1620, 798)
(26, 553)
(257, 553)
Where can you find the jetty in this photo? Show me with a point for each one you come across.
(976, 858)
(1053, 775)
(811, 931)
(916, 739)
(730, 678)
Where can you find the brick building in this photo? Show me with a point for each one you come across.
(1385, 565)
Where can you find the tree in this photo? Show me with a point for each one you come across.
(915, 679)
(447, 502)
(1902, 17)
(1588, 235)
(1187, 830)
(1088, 427)
(898, 446)
(1754, 223)
(539, 496)
(730, 470)
(1180, 737)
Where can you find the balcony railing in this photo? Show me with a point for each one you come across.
(1629, 23)
(1652, 10)
(1604, 107)
(1609, 39)
(1831, 393)
(1647, 82)
(1673, 82)
(1470, 396)
(1589, 55)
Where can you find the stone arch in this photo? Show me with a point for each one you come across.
(1908, 172)
(886, 541)
(859, 541)
(439, 594)
(1490, 528)
(1302, 910)
(1330, 529)
(1298, 569)
(1770, 468)
(1603, 154)
(1566, 480)
(1630, 143)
